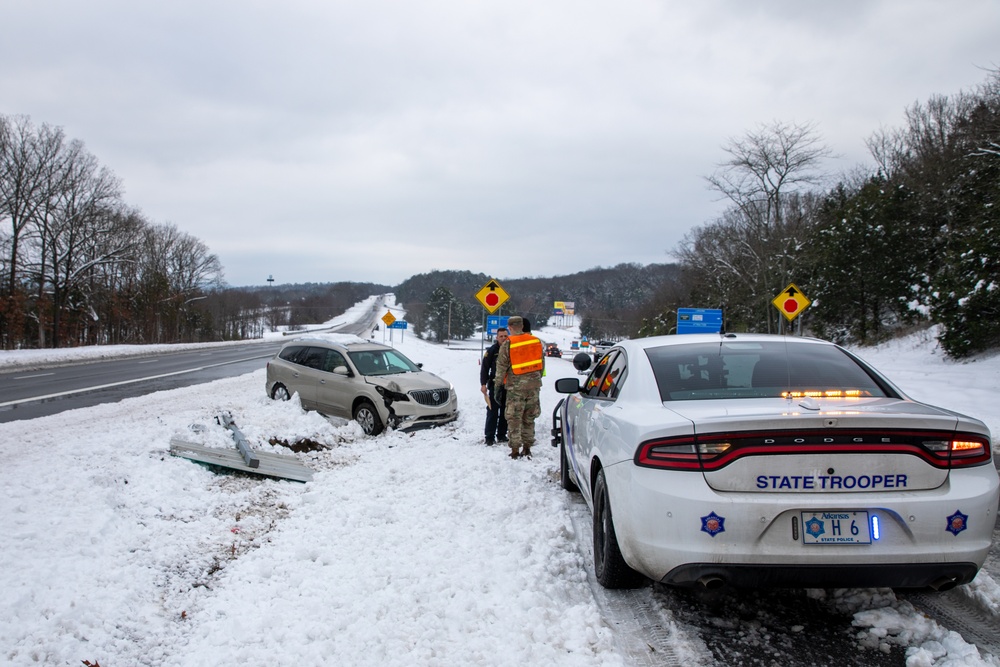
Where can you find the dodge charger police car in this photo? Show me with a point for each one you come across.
(755, 460)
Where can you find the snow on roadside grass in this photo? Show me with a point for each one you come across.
(422, 549)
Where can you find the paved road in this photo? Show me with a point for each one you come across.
(27, 394)
(46, 391)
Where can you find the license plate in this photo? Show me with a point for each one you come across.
(833, 527)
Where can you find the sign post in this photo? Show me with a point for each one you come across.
(388, 319)
(494, 322)
(402, 325)
(492, 296)
(699, 320)
(791, 302)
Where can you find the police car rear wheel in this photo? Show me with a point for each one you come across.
(610, 567)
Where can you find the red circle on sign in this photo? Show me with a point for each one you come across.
(791, 305)
(492, 299)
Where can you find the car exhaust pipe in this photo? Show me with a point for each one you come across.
(711, 582)
(945, 583)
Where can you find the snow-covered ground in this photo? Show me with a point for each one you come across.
(406, 549)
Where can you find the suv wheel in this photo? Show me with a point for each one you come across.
(367, 416)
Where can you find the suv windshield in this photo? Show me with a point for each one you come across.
(732, 369)
(381, 362)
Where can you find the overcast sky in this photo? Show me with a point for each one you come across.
(321, 140)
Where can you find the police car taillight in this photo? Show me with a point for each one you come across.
(960, 451)
(679, 453)
(670, 454)
(969, 452)
(713, 448)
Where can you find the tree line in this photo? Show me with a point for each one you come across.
(610, 300)
(912, 240)
(79, 266)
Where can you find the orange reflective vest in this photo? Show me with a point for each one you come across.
(525, 354)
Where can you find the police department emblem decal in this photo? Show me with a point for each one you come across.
(815, 527)
(713, 524)
(957, 522)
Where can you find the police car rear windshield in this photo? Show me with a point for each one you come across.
(705, 371)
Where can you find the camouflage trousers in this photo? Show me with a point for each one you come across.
(522, 409)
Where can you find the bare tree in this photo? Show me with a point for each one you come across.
(175, 271)
(756, 241)
(766, 164)
(888, 148)
(76, 230)
(71, 252)
(28, 159)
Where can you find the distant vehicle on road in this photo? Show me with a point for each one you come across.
(369, 382)
(758, 461)
(600, 348)
(552, 350)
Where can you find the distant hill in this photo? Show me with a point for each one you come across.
(311, 303)
(621, 286)
(609, 299)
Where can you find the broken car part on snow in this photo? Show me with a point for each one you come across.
(244, 457)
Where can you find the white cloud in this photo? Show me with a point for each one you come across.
(339, 124)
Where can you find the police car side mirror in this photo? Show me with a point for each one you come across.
(567, 385)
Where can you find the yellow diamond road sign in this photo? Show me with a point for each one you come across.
(388, 319)
(492, 296)
(791, 302)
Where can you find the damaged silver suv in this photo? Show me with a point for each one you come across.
(348, 377)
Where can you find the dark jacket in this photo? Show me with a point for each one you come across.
(489, 368)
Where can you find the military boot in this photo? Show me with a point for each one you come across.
(515, 452)
(526, 452)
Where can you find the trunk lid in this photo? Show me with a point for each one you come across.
(808, 445)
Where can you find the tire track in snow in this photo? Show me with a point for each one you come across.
(644, 635)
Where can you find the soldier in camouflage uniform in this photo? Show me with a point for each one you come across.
(523, 379)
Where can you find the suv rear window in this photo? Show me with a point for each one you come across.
(732, 369)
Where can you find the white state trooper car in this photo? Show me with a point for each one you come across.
(757, 460)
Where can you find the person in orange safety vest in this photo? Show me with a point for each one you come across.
(520, 363)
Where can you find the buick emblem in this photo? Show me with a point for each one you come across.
(436, 396)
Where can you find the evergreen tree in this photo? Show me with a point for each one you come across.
(444, 313)
(862, 257)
